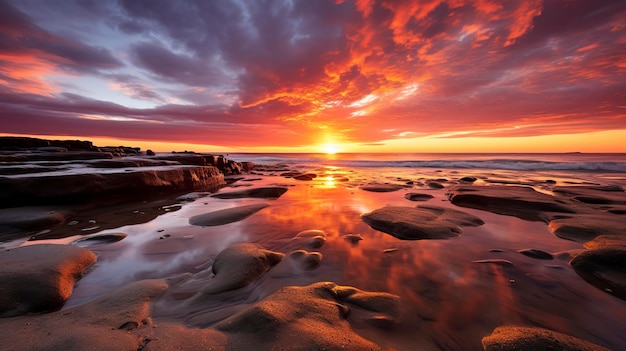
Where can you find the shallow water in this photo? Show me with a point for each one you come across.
(449, 302)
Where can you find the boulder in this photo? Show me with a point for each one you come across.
(40, 278)
(520, 338)
(422, 222)
(239, 265)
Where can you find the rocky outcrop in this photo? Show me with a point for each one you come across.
(40, 278)
(89, 184)
(25, 143)
(227, 167)
(37, 171)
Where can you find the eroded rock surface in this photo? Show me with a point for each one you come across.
(40, 278)
(422, 222)
(87, 184)
(531, 339)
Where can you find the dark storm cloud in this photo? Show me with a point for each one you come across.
(361, 68)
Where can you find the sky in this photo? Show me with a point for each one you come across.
(302, 75)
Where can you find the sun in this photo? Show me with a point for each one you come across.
(330, 149)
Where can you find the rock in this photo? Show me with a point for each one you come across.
(40, 278)
(311, 233)
(150, 153)
(312, 238)
(273, 192)
(32, 218)
(307, 176)
(603, 267)
(417, 196)
(382, 188)
(606, 240)
(305, 260)
(86, 184)
(468, 179)
(226, 216)
(520, 338)
(120, 320)
(239, 265)
(585, 227)
(23, 143)
(435, 185)
(538, 254)
(312, 317)
(496, 261)
(422, 222)
(518, 201)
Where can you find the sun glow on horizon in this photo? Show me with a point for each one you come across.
(330, 148)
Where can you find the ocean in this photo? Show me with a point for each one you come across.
(588, 162)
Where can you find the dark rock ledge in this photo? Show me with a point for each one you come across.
(43, 172)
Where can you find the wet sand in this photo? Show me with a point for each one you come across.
(431, 294)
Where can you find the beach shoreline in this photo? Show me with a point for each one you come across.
(391, 256)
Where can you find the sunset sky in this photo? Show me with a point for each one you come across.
(289, 75)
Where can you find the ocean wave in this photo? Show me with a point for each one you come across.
(516, 165)
(577, 162)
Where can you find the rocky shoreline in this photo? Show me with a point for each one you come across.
(58, 190)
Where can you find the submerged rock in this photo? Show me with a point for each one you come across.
(518, 201)
(226, 216)
(422, 222)
(538, 254)
(417, 196)
(239, 265)
(265, 193)
(96, 239)
(382, 188)
(519, 338)
(33, 217)
(40, 278)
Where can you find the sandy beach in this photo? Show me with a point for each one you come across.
(303, 257)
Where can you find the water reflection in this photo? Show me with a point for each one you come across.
(449, 301)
